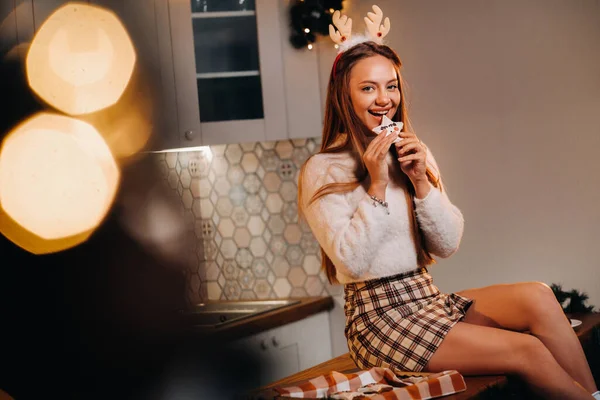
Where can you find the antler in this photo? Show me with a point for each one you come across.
(373, 21)
(343, 25)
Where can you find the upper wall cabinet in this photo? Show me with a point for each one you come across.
(236, 77)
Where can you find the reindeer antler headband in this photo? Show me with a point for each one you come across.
(343, 37)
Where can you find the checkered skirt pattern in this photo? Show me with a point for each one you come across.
(398, 322)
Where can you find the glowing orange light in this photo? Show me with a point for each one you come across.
(58, 180)
(81, 59)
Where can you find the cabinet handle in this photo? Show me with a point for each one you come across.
(274, 341)
(263, 345)
(189, 135)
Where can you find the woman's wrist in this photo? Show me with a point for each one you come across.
(422, 188)
(377, 189)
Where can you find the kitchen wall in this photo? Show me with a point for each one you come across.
(506, 93)
(243, 202)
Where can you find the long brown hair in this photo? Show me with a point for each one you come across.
(341, 118)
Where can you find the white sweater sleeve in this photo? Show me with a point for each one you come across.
(440, 221)
(347, 225)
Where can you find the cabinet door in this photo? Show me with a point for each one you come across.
(228, 71)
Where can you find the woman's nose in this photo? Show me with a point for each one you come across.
(382, 98)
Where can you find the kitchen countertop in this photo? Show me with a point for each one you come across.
(271, 319)
(476, 385)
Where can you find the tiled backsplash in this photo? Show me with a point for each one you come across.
(243, 200)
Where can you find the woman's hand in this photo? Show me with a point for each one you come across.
(412, 157)
(374, 159)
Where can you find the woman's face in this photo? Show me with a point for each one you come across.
(374, 90)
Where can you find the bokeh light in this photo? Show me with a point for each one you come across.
(58, 179)
(81, 59)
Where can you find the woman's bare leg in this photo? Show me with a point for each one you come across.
(532, 306)
(476, 350)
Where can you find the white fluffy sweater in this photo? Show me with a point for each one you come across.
(363, 241)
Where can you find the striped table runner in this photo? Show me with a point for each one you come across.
(377, 384)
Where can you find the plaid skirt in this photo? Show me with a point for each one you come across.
(398, 322)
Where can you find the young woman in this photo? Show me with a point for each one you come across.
(379, 211)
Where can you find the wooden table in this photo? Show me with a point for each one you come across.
(475, 384)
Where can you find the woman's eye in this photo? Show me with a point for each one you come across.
(392, 87)
(368, 89)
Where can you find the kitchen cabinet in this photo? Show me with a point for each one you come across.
(237, 78)
(290, 348)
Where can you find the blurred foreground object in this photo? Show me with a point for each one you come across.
(58, 180)
(81, 59)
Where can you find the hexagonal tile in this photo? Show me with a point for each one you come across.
(241, 236)
(276, 224)
(297, 276)
(222, 187)
(310, 146)
(218, 150)
(237, 194)
(198, 189)
(251, 183)
(254, 204)
(228, 248)
(173, 179)
(298, 292)
(171, 159)
(206, 208)
(232, 290)
(299, 142)
(250, 146)
(280, 267)
(248, 295)
(240, 216)
(224, 207)
(235, 174)
(163, 169)
(282, 288)
(262, 289)
(233, 153)
(269, 160)
(286, 170)
(270, 145)
(299, 156)
(309, 244)
(210, 250)
(289, 191)
(249, 162)
(244, 258)
(313, 286)
(260, 267)
(212, 271)
(226, 227)
(267, 236)
(258, 247)
(219, 166)
(304, 225)
(272, 182)
(274, 203)
(185, 178)
(246, 279)
(277, 245)
(294, 255)
(311, 264)
(284, 149)
(290, 213)
(262, 193)
(256, 226)
(196, 208)
(187, 199)
(230, 270)
(213, 290)
(292, 234)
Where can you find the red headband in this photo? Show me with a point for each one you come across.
(334, 68)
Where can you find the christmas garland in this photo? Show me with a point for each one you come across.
(572, 301)
(309, 18)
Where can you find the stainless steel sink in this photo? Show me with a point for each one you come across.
(216, 314)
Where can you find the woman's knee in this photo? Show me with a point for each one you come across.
(538, 298)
